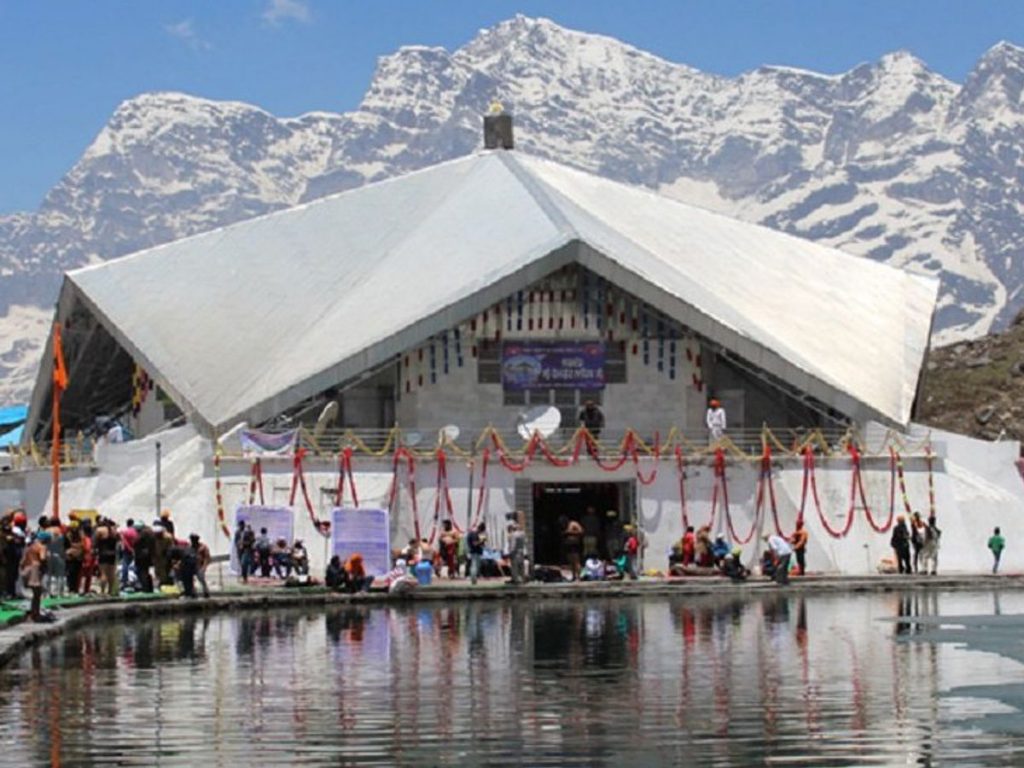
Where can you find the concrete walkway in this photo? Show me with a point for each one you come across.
(16, 638)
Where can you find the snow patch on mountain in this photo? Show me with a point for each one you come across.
(889, 161)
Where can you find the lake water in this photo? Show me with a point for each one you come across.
(783, 679)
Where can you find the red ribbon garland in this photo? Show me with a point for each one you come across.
(256, 480)
(719, 467)
(720, 479)
(411, 480)
(763, 480)
(345, 470)
(442, 483)
(299, 479)
(857, 483)
(478, 514)
(681, 470)
(636, 461)
(220, 496)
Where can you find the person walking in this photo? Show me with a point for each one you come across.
(996, 544)
(781, 553)
(900, 543)
(475, 542)
(799, 543)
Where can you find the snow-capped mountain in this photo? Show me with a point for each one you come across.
(890, 160)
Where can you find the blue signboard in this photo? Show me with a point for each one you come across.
(555, 365)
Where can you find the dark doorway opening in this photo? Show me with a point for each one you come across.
(601, 508)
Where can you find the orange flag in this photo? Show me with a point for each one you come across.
(60, 372)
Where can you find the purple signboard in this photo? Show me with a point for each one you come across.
(555, 364)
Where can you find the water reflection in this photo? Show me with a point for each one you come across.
(785, 678)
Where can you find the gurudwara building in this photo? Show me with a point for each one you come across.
(427, 343)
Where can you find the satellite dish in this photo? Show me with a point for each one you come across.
(545, 419)
(412, 439)
(448, 434)
(327, 416)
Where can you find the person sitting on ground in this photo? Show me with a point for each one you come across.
(281, 557)
(593, 569)
(732, 565)
(411, 551)
(398, 579)
(675, 555)
(702, 550)
(334, 578)
(356, 579)
(572, 540)
(719, 549)
(300, 558)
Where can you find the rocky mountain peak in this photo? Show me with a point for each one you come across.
(890, 160)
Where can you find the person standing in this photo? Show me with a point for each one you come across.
(88, 558)
(996, 544)
(129, 535)
(56, 574)
(900, 543)
(517, 552)
(202, 561)
(592, 418)
(475, 542)
(930, 547)
(781, 553)
(263, 548)
(572, 537)
(145, 547)
(917, 538)
(32, 564)
(715, 420)
(106, 557)
(799, 543)
(632, 551)
(247, 552)
(450, 548)
(689, 547)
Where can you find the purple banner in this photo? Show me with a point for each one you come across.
(555, 365)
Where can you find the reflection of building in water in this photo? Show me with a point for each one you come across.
(817, 680)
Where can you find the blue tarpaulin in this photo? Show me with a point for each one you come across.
(12, 416)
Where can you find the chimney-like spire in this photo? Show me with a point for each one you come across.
(497, 128)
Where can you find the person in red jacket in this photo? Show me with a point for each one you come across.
(689, 546)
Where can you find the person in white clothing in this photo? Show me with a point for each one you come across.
(782, 552)
(715, 420)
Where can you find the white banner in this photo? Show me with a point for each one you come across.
(365, 531)
(279, 522)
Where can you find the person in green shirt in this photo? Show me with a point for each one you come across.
(996, 543)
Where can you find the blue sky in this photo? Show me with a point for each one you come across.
(65, 66)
